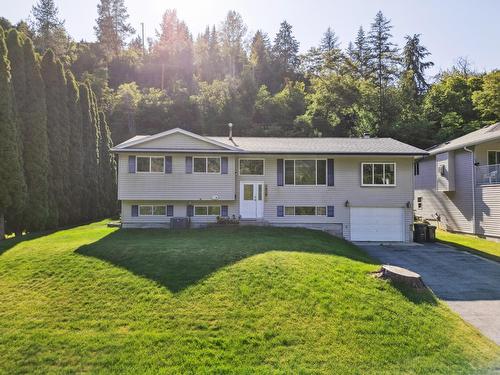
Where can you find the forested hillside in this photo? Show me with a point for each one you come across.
(259, 82)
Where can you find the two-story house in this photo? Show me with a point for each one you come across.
(358, 188)
(458, 184)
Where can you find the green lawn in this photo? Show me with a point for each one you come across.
(473, 244)
(221, 300)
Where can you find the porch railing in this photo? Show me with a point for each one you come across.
(488, 174)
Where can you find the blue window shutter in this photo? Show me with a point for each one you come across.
(223, 165)
(189, 164)
(189, 210)
(135, 210)
(170, 210)
(224, 211)
(279, 172)
(330, 211)
(131, 164)
(279, 211)
(330, 172)
(168, 164)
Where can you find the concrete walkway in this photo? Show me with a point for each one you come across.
(469, 284)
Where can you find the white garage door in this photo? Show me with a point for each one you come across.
(377, 224)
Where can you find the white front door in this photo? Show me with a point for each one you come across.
(251, 200)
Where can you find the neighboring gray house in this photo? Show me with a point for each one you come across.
(460, 183)
(358, 188)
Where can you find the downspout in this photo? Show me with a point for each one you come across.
(473, 190)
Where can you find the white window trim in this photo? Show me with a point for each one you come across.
(373, 174)
(152, 209)
(487, 156)
(208, 205)
(315, 210)
(250, 175)
(150, 157)
(416, 168)
(315, 172)
(206, 164)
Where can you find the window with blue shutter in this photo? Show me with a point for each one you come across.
(224, 211)
(279, 211)
(330, 172)
(223, 165)
(189, 164)
(170, 210)
(189, 210)
(330, 211)
(279, 172)
(168, 164)
(135, 210)
(131, 164)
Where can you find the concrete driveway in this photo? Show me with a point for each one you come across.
(469, 284)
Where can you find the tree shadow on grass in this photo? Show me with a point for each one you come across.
(424, 296)
(178, 259)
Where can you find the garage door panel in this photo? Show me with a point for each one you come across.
(377, 224)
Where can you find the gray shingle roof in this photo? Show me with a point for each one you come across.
(321, 145)
(283, 145)
(485, 134)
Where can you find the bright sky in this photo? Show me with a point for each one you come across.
(449, 28)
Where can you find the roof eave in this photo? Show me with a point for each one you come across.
(201, 151)
(462, 145)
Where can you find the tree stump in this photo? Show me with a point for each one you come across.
(401, 275)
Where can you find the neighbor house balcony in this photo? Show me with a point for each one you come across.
(488, 174)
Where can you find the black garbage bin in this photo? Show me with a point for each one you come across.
(431, 233)
(419, 232)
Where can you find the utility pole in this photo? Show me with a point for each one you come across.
(143, 43)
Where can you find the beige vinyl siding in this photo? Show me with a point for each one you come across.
(347, 187)
(180, 210)
(487, 196)
(454, 207)
(177, 185)
(179, 141)
(488, 210)
(481, 151)
(445, 182)
(426, 179)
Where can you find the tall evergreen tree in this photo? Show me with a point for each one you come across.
(90, 152)
(285, 50)
(35, 150)
(49, 28)
(76, 160)
(31, 120)
(384, 59)
(112, 27)
(13, 187)
(330, 41)
(260, 59)
(215, 56)
(232, 34)
(18, 79)
(58, 136)
(173, 52)
(360, 54)
(384, 51)
(107, 168)
(96, 211)
(414, 65)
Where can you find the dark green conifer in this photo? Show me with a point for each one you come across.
(12, 186)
